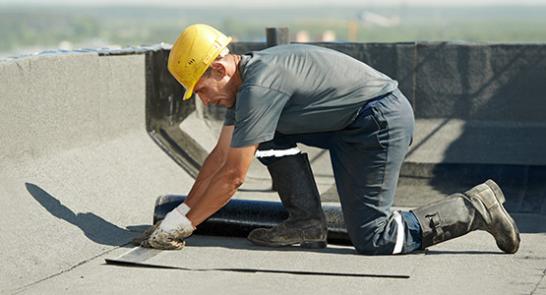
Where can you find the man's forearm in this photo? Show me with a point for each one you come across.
(222, 174)
(211, 165)
(222, 185)
(206, 201)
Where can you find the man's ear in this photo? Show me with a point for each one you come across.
(219, 69)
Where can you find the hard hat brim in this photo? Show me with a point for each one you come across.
(188, 93)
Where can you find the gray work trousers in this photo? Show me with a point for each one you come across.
(366, 158)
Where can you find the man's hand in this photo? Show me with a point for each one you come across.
(158, 239)
(169, 234)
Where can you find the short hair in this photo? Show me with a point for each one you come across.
(222, 54)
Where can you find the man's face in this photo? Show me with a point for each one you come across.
(214, 89)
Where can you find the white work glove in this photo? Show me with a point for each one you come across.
(169, 234)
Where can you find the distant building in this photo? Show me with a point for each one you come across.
(328, 36)
(302, 36)
(374, 19)
(65, 45)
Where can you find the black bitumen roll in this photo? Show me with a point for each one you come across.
(239, 217)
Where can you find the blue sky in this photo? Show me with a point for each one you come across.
(258, 3)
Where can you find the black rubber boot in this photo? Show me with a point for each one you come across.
(306, 223)
(480, 208)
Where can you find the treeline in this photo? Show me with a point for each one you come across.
(27, 29)
(47, 26)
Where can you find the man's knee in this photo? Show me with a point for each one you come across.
(372, 239)
(369, 247)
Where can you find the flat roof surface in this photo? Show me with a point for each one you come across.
(471, 264)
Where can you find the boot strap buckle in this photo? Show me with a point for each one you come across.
(436, 226)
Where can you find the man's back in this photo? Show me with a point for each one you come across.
(301, 89)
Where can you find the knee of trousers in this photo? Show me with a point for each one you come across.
(377, 238)
(370, 247)
(367, 241)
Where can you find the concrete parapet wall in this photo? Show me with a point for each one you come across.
(481, 82)
(494, 82)
(78, 166)
(51, 104)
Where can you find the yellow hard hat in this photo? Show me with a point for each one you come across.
(193, 52)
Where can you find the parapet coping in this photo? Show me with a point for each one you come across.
(104, 51)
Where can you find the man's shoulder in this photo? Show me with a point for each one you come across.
(277, 55)
(292, 48)
(294, 54)
(266, 72)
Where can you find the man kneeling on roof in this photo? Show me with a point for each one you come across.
(289, 94)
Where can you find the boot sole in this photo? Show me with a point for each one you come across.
(304, 244)
(514, 234)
